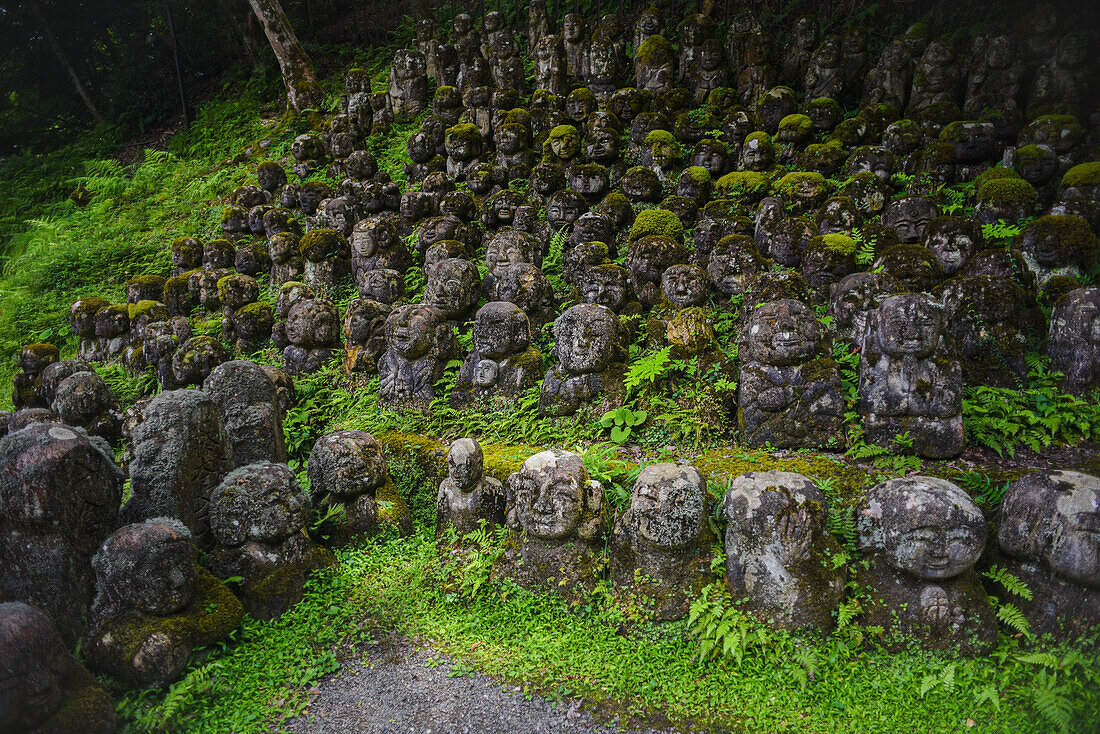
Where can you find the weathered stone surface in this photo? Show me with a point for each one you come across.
(467, 497)
(923, 536)
(660, 547)
(45, 688)
(589, 371)
(257, 521)
(1074, 342)
(181, 452)
(778, 550)
(1046, 538)
(153, 605)
(249, 410)
(59, 495)
(419, 341)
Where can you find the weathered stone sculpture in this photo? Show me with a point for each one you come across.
(910, 380)
(909, 217)
(257, 521)
(854, 299)
(660, 547)
(557, 514)
(249, 410)
(923, 536)
(1047, 540)
(313, 333)
(778, 550)
(589, 371)
(45, 689)
(789, 386)
(365, 334)
(59, 497)
(154, 605)
(467, 497)
(408, 90)
(418, 344)
(1074, 342)
(502, 362)
(986, 315)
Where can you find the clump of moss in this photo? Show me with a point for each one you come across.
(142, 308)
(796, 126)
(839, 243)
(663, 137)
(1083, 174)
(659, 222)
(744, 183)
(318, 245)
(654, 50)
(993, 174)
(698, 174)
(1010, 191)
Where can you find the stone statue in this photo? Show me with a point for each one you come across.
(910, 380)
(154, 605)
(589, 369)
(418, 344)
(853, 300)
(923, 536)
(1045, 535)
(778, 550)
(467, 496)
(502, 362)
(1074, 341)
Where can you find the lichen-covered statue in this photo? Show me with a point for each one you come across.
(347, 477)
(257, 519)
(778, 551)
(910, 380)
(589, 369)
(154, 605)
(418, 344)
(790, 385)
(1074, 341)
(923, 536)
(1046, 536)
(467, 497)
(557, 515)
(502, 362)
(660, 547)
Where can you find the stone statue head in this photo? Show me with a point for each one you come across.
(259, 502)
(909, 216)
(732, 261)
(147, 566)
(34, 665)
(507, 248)
(1052, 517)
(346, 464)
(925, 527)
(854, 298)
(465, 464)
(774, 515)
(412, 330)
(453, 286)
(586, 338)
(382, 285)
(606, 285)
(908, 324)
(501, 328)
(554, 499)
(685, 285)
(781, 332)
(668, 505)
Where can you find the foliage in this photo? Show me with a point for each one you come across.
(644, 372)
(621, 421)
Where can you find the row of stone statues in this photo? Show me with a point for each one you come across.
(923, 538)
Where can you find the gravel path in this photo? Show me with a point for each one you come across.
(401, 688)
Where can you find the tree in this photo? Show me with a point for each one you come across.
(64, 61)
(302, 90)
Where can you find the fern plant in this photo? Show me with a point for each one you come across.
(644, 372)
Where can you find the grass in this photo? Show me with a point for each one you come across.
(647, 673)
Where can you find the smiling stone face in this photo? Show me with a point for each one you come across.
(953, 240)
(782, 333)
(453, 287)
(585, 337)
(685, 285)
(909, 216)
(909, 324)
(554, 498)
(925, 527)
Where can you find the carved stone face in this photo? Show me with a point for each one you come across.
(437, 229)
(591, 180)
(953, 240)
(573, 28)
(579, 104)
(410, 330)
(505, 249)
(606, 285)
(855, 298)
(462, 23)
(667, 505)
(585, 338)
(421, 147)
(641, 184)
(312, 322)
(649, 22)
(878, 161)
(554, 498)
(909, 324)
(711, 155)
(564, 208)
(258, 502)
(685, 285)
(757, 154)
(772, 516)
(382, 285)
(593, 227)
(465, 464)
(547, 179)
(603, 146)
(149, 567)
(452, 287)
(734, 259)
(925, 527)
(566, 144)
(526, 286)
(782, 332)
(909, 216)
(501, 329)
(710, 58)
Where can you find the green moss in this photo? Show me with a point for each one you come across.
(654, 50)
(319, 244)
(993, 174)
(89, 306)
(142, 308)
(742, 183)
(663, 137)
(797, 124)
(792, 182)
(839, 243)
(848, 482)
(150, 281)
(657, 221)
(760, 137)
(557, 132)
(41, 351)
(1083, 174)
(1009, 191)
(698, 174)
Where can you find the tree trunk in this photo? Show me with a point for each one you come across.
(242, 32)
(36, 8)
(302, 90)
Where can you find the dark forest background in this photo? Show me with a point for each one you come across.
(68, 65)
